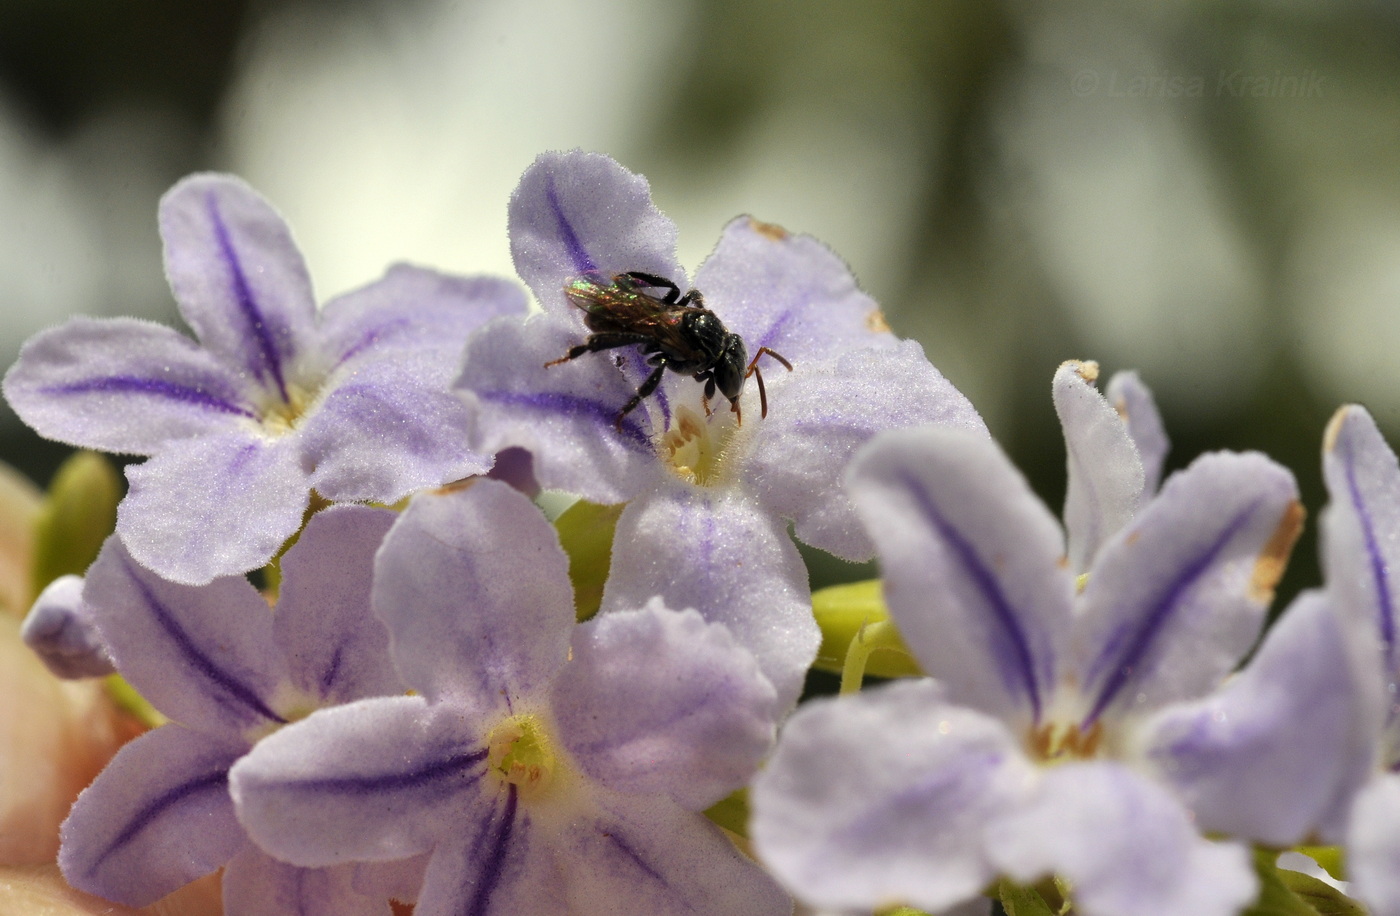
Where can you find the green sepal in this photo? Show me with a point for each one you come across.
(1328, 858)
(732, 812)
(586, 533)
(1276, 898)
(1020, 900)
(130, 701)
(77, 515)
(842, 612)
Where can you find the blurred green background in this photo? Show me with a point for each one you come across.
(1203, 191)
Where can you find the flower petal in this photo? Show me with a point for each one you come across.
(474, 588)
(788, 292)
(334, 645)
(414, 309)
(822, 413)
(1138, 408)
(373, 780)
(1105, 470)
(60, 630)
(254, 882)
(1276, 754)
(1361, 527)
(123, 385)
(712, 550)
(238, 277)
(973, 566)
(204, 656)
(212, 507)
(158, 817)
(625, 856)
(382, 432)
(1127, 847)
(1373, 845)
(659, 702)
(1176, 598)
(581, 213)
(565, 415)
(880, 798)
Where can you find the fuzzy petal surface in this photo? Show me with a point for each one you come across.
(414, 310)
(216, 506)
(123, 385)
(475, 590)
(335, 647)
(713, 550)
(1176, 598)
(382, 431)
(611, 855)
(659, 702)
(578, 213)
(255, 884)
(1105, 470)
(788, 292)
(564, 415)
(880, 798)
(972, 563)
(1373, 845)
(205, 657)
(1138, 409)
(238, 277)
(157, 818)
(1275, 755)
(822, 413)
(379, 779)
(61, 632)
(1126, 845)
(1361, 528)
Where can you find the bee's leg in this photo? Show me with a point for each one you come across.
(597, 343)
(645, 279)
(758, 376)
(693, 299)
(709, 381)
(647, 388)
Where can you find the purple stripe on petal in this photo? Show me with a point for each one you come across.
(490, 850)
(266, 360)
(216, 781)
(1014, 655)
(228, 691)
(614, 836)
(1126, 662)
(328, 676)
(1373, 556)
(603, 414)
(577, 253)
(456, 765)
(774, 331)
(131, 384)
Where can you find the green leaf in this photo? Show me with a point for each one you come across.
(732, 812)
(1318, 894)
(78, 513)
(1275, 897)
(1019, 900)
(842, 612)
(586, 533)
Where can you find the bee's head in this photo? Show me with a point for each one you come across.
(730, 367)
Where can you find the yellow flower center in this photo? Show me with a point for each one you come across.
(697, 448)
(519, 752)
(1057, 742)
(281, 417)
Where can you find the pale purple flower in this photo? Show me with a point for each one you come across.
(227, 671)
(275, 401)
(1075, 730)
(547, 767)
(60, 630)
(1361, 557)
(709, 499)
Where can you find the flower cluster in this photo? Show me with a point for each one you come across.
(435, 696)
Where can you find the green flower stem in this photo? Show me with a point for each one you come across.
(856, 613)
(77, 514)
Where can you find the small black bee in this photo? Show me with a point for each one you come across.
(673, 331)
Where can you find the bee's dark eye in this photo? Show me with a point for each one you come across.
(729, 368)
